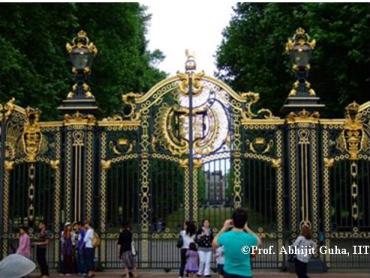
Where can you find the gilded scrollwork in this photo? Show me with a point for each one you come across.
(259, 145)
(7, 109)
(328, 162)
(276, 163)
(79, 119)
(353, 138)
(9, 165)
(250, 99)
(196, 79)
(32, 137)
(121, 146)
(300, 38)
(303, 116)
(105, 164)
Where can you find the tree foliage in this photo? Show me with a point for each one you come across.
(251, 55)
(34, 66)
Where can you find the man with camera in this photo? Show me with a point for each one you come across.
(238, 241)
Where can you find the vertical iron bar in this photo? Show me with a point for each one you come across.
(191, 145)
(2, 161)
(367, 221)
(361, 192)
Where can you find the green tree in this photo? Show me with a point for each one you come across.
(251, 55)
(34, 66)
(202, 186)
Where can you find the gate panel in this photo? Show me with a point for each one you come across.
(167, 208)
(117, 191)
(20, 194)
(122, 192)
(349, 202)
(215, 187)
(263, 186)
(259, 194)
(167, 212)
(346, 192)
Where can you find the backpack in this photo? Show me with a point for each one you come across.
(96, 240)
(180, 242)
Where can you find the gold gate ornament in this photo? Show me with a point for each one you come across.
(353, 139)
(32, 137)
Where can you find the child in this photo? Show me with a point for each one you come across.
(220, 260)
(192, 260)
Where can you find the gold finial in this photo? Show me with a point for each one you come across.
(81, 34)
(352, 107)
(82, 41)
(190, 64)
(300, 38)
(352, 111)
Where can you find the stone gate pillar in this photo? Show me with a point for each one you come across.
(79, 157)
(302, 119)
(79, 108)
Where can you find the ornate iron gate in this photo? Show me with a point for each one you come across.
(189, 148)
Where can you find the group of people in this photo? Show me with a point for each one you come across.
(41, 243)
(197, 246)
(196, 249)
(77, 248)
(233, 247)
(230, 247)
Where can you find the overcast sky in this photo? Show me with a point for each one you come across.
(179, 25)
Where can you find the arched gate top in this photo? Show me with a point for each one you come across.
(137, 103)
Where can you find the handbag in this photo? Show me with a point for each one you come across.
(96, 240)
(133, 249)
(180, 242)
(293, 257)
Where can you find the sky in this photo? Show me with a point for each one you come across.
(179, 25)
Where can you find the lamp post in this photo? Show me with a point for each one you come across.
(301, 96)
(300, 47)
(81, 54)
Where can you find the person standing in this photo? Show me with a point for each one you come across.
(67, 250)
(204, 239)
(192, 260)
(24, 246)
(304, 246)
(41, 247)
(125, 250)
(220, 261)
(89, 250)
(79, 248)
(238, 241)
(188, 236)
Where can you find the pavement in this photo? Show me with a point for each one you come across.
(257, 274)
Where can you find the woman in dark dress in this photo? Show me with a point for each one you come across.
(67, 250)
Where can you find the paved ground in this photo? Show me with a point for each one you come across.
(257, 275)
